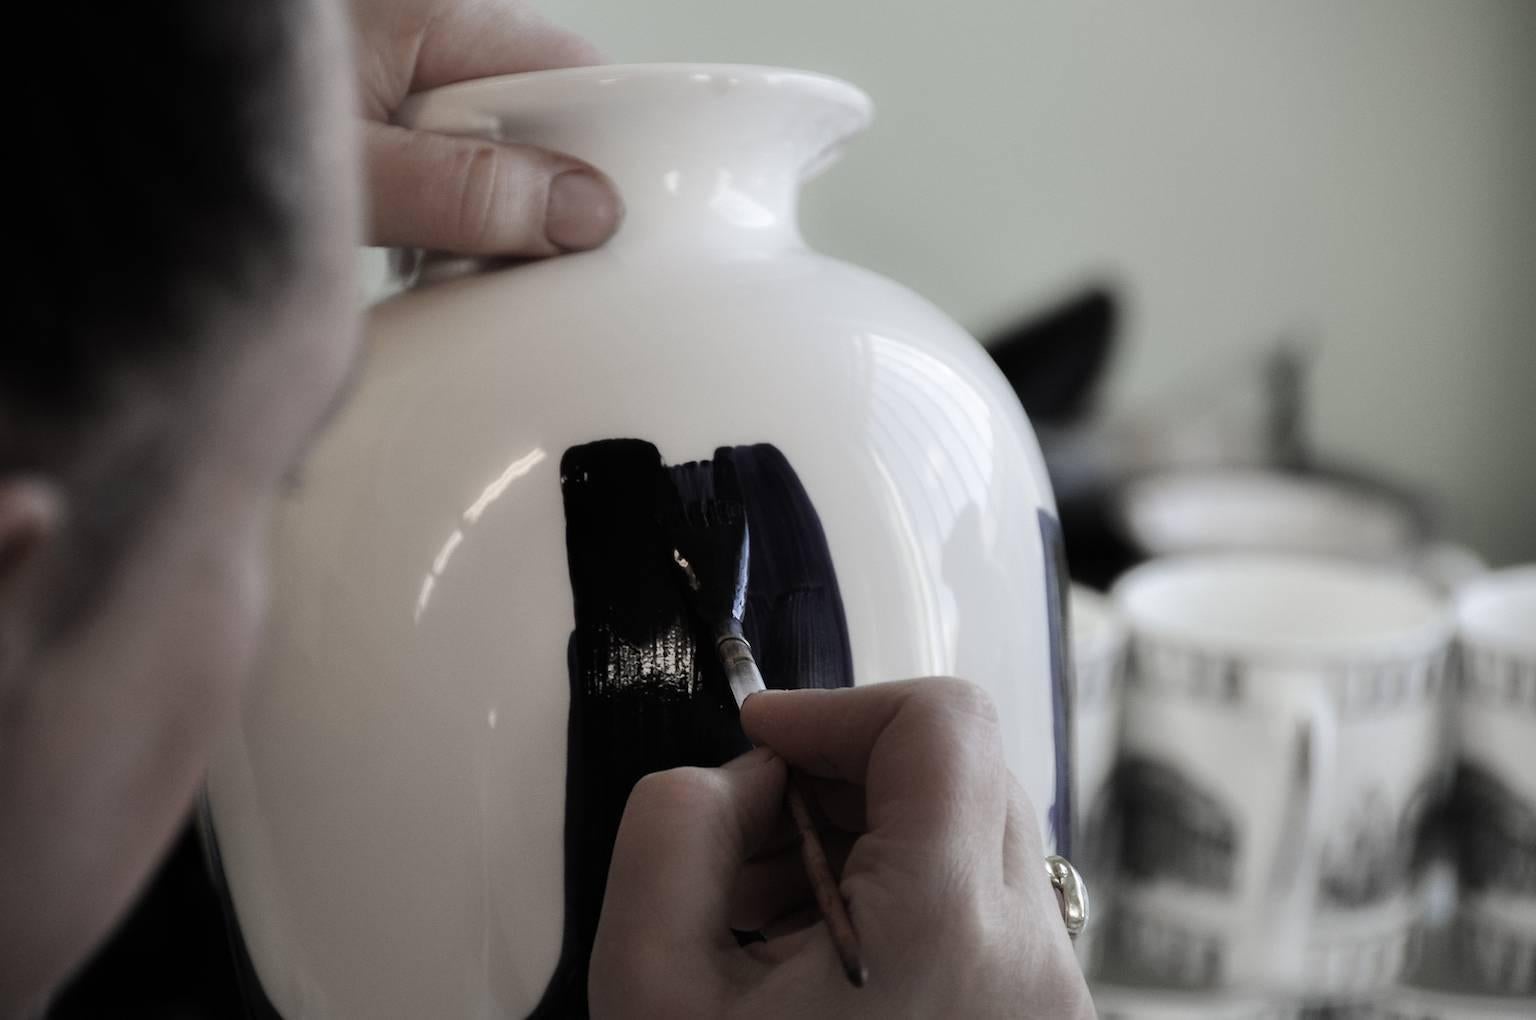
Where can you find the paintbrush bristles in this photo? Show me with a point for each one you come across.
(713, 549)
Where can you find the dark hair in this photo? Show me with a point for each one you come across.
(158, 153)
(154, 153)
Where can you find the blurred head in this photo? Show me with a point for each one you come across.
(182, 318)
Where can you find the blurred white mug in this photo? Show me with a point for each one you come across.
(1493, 812)
(1283, 746)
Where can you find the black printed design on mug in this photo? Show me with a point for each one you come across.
(1055, 556)
(1360, 692)
(1494, 830)
(1502, 958)
(1494, 680)
(1097, 847)
(1172, 828)
(1366, 861)
(1422, 832)
(1156, 949)
(646, 694)
(1351, 1011)
(1495, 833)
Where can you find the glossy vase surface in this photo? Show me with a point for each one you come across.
(397, 810)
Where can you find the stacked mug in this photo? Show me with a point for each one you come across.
(1293, 731)
(1492, 815)
(1283, 748)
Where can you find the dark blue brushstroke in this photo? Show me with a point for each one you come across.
(1060, 814)
(647, 692)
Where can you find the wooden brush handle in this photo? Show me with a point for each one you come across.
(745, 679)
(828, 897)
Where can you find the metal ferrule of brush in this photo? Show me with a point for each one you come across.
(740, 667)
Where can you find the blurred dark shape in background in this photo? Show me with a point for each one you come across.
(1250, 414)
(1056, 359)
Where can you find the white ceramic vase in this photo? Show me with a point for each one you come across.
(396, 809)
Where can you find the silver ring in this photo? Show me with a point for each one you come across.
(1071, 893)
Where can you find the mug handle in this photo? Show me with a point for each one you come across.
(1285, 891)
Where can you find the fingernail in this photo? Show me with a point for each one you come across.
(751, 760)
(583, 210)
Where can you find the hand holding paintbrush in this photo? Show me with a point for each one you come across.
(956, 916)
(712, 552)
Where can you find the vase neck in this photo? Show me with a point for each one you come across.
(701, 153)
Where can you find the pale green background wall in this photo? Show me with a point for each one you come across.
(1365, 171)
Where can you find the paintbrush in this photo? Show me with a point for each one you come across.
(712, 550)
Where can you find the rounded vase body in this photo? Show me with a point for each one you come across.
(397, 811)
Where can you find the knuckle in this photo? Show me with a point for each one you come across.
(679, 792)
(962, 698)
(576, 50)
(481, 190)
(477, 175)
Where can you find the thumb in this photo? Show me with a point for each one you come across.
(685, 836)
(474, 197)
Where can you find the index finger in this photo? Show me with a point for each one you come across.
(929, 752)
(485, 40)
